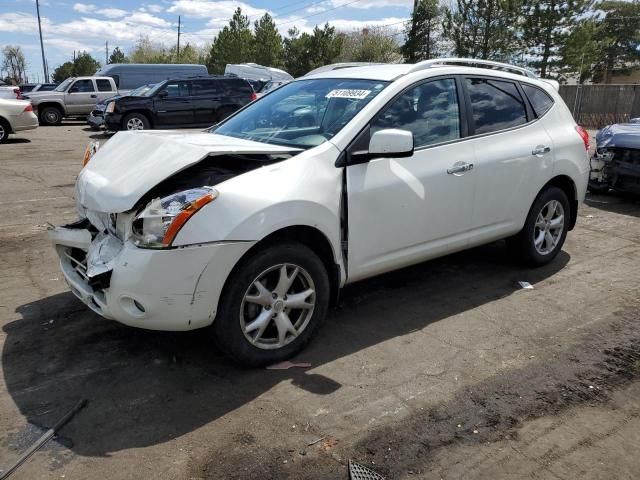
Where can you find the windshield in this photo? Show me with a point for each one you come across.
(302, 114)
(153, 90)
(63, 86)
(138, 92)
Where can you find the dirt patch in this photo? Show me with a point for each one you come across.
(486, 412)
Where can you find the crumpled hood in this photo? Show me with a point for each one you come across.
(619, 135)
(131, 163)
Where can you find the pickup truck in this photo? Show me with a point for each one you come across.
(75, 97)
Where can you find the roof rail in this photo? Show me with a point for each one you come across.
(472, 62)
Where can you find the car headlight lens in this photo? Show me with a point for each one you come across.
(111, 106)
(159, 223)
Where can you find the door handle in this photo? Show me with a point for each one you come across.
(459, 168)
(540, 150)
(94, 96)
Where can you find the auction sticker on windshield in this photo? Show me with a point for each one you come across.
(348, 93)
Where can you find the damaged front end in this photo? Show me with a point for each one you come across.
(616, 161)
(120, 258)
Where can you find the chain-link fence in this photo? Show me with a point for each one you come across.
(594, 106)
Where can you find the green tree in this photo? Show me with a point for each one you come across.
(85, 65)
(547, 25)
(146, 51)
(423, 31)
(14, 63)
(63, 72)
(304, 52)
(369, 45)
(581, 51)
(118, 56)
(234, 44)
(486, 29)
(268, 42)
(619, 36)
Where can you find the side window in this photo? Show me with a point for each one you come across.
(103, 85)
(430, 111)
(496, 105)
(540, 101)
(177, 89)
(82, 86)
(205, 87)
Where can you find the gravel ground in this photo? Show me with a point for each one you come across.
(443, 370)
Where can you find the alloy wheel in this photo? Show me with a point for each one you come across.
(135, 124)
(2, 131)
(549, 227)
(277, 306)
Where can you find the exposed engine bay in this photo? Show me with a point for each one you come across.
(616, 161)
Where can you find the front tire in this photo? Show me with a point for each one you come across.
(272, 305)
(136, 121)
(4, 131)
(544, 231)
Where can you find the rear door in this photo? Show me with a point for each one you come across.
(173, 104)
(105, 89)
(81, 97)
(513, 156)
(206, 95)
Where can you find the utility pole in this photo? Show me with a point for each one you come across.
(178, 49)
(44, 62)
(106, 52)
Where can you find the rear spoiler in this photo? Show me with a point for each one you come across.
(553, 83)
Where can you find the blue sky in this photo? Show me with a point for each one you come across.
(69, 25)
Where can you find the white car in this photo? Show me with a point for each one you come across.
(16, 116)
(9, 92)
(251, 229)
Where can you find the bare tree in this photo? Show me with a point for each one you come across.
(14, 63)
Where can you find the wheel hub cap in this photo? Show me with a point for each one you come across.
(277, 306)
(549, 227)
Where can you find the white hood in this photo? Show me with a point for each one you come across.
(132, 163)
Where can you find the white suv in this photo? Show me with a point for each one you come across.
(251, 229)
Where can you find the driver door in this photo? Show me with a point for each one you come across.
(405, 210)
(81, 97)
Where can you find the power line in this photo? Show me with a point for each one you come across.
(319, 13)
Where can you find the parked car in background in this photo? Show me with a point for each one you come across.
(16, 116)
(615, 163)
(251, 230)
(187, 102)
(76, 96)
(37, 87)
(10, 92)
(129, 76)
(96, 117)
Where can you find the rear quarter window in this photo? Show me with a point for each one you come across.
(539, 99)
(104, 85)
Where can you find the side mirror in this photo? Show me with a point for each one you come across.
(163, 94)
(391, 143)
(73, 89)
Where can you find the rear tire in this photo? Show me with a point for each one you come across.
(4, 131)
(544, 231)
(136, 121)
(267, 314)
(50, 116)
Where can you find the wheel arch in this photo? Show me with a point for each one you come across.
(568, 186)
(50, 103)
(6, 122)
(312, 238)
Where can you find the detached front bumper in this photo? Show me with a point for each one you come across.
(175, 289)
(95, 121)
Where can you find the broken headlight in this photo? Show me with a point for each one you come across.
(159, 223)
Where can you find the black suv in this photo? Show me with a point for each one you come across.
(185, 102)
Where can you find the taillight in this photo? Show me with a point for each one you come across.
(18, 93)
(253, 96)
(28, 108)
(584, 134)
